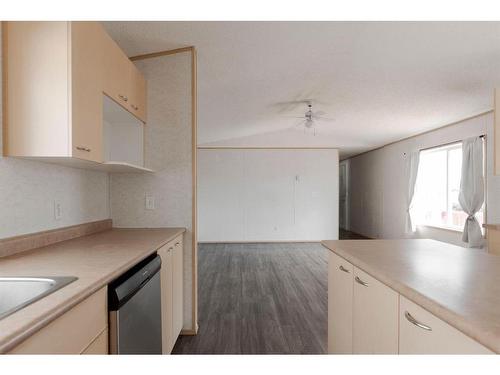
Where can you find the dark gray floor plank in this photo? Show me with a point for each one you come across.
(260, 299)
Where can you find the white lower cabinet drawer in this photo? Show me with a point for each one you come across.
(420, 332)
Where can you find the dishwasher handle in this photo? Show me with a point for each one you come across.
(124, 287)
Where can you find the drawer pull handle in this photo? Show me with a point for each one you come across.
(123, 97)
(134, 107)
(170, 249)
(359, 281)
(177, 244)
(83, 148)
(343, 269)
(414, 321)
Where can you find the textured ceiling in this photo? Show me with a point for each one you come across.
(380, 81)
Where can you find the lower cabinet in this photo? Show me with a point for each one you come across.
(81, 330)
(367, 317)
(99, 345)
(374, 316)
(420, 332)
(171, 292)
(339, 305)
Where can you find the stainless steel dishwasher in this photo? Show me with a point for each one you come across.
(134, 303)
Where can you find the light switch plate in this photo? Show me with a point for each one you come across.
(150, 202)
(57, 210)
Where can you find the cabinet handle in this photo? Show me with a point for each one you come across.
(359, 281)
(170, 249)
(177, 244)
(343, 269)
(123, 97)
(134, 107)
(414, 321)
(83, 148)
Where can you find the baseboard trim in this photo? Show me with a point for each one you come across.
(190, 332)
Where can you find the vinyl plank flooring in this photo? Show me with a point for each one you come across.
(260, 299)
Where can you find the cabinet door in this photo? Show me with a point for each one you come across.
(72, 332)
(166, 296)
(117, 82)
(177, 288)
(87, 73)
(421, 332)
(340, 288)
(137, 93)
(35, 72)
(375, 316)
(99, 345)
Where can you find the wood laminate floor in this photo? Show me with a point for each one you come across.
(260, 299)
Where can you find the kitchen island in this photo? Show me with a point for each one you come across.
(413, 283)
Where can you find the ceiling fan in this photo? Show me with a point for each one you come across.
(310, 117)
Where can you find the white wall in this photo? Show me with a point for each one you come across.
(267, 194)
(378, 183)
(28, 190)
(168, 148)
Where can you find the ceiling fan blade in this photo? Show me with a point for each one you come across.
(299, 124)
(324, 118)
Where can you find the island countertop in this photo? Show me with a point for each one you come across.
(460, 286)
(95, 259)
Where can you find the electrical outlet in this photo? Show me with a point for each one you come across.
(57, 210)
(150, 202)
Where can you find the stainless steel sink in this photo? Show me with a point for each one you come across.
(19, 292)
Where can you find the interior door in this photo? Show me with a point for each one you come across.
(343, 220)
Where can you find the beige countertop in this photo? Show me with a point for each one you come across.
(95, 259)
(460, 286)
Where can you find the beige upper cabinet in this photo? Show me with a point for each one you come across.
(137, 100)
(87, 74)
(55, 77)
(340, 287)
(375, 316)
(123, 82)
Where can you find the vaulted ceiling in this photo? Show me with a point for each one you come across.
(380, 81)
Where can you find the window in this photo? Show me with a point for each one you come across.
(437, 188)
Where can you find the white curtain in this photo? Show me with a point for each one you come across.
(471, 196)
(412, 171)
